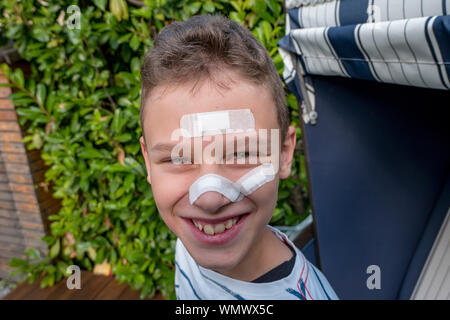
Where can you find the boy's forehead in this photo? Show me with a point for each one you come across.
(168, 105)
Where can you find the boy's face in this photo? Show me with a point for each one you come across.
(170, 182)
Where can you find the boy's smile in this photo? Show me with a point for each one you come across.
(218, 229)
(227, 237)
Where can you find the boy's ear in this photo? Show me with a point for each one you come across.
(287, 152)
(147, 162)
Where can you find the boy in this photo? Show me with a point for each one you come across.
(206, 80)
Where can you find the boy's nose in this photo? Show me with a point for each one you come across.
(211, 201)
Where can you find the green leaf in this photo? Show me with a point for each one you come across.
(136, 257)
(145, 12)
(48, 280)
(128, 182)
(33, 252)
(40, 34)
(237, 17)
(92, 253)
(267, 29)
(194, 7)
(275, 7)
(114, 168)
(292, 101)
(260, 6)
(124, 102)
(123, 137)
(124, 9)
(101, 4)
(37, 141)
(30, 112)
(17, 77)
(16, 262)
(90, 153)
(159, 16)
(14, 31)
(5, 69)
(135, 42)
(54, 250)
(135, 65)
(41, 93)
(209, 7)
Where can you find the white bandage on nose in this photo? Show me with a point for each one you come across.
(234, 191)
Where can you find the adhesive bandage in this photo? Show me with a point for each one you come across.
(212, 123)
(234, 191)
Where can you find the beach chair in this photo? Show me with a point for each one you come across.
(372, 78)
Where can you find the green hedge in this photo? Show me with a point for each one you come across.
(81, 106)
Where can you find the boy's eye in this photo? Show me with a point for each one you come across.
(237, 155)
(177, 160)
(241, 155)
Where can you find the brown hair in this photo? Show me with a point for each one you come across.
(202, 45)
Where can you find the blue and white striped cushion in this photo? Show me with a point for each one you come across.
(331, 13)
(334, 38)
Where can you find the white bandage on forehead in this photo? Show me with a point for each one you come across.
(212, 123)
(234, 191)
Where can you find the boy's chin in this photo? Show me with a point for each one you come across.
(223, 264)
(219, 266)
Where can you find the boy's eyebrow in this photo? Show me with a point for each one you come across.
(168, 146)
(163, 146)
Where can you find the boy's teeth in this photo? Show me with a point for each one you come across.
(208, 229)
(217, 228)
(198, 225)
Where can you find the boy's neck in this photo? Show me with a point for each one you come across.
(267, 253)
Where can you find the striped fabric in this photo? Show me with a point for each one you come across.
(330, 13)
(405, 42)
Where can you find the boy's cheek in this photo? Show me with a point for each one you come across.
(163, 194)
(165, 201)
(167, 191)
(265, 199)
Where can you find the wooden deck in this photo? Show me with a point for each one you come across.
(93, 287)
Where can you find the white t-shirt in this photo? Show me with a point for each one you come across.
(193, 282)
